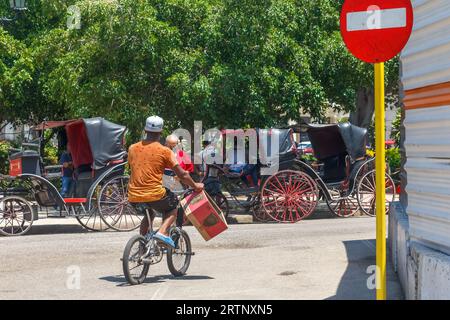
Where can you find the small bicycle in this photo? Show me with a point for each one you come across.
(143, 251)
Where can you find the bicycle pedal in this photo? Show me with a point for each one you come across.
(147, 260)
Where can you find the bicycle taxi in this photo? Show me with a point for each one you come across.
(340, 173)
(98, 198)
(263, 152)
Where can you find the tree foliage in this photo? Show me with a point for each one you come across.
(229, 63)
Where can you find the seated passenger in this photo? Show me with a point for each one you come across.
(67, 172)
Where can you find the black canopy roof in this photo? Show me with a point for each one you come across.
(355, 139)
(106, 141)
(335, 139)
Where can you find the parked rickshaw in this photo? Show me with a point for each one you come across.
(98, 199)
(236, 186)
(341, 174)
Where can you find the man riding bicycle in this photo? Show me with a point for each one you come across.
(148, 159)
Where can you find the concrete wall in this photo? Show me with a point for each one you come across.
(424, 273)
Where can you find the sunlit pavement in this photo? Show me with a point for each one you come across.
(314, 259)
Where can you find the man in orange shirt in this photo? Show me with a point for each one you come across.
(148, 159)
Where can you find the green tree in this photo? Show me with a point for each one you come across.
(396, 124)
(16, 70)
(229, 63)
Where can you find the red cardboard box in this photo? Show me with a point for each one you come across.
(204, 214)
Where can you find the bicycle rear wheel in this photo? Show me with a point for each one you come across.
(134, 269)
(179, 259)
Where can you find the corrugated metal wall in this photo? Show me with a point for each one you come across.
(425, 63)
(426, 58)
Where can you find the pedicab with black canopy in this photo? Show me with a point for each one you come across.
(342, 174)
(274, 150)
(98, 197)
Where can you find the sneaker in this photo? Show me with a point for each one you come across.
(149, 235)
(165, 239)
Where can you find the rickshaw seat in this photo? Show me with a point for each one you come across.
(334, 168)
(83, 181)
(75, 200)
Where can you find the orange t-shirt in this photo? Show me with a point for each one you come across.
(147, 163)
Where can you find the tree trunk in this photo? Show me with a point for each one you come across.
(365, 106)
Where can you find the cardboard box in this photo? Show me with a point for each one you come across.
(204, 214)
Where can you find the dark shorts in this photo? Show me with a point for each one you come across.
(164, 206)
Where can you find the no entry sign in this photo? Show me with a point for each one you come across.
(376, 30)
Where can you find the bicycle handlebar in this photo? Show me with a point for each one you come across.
(187, 192)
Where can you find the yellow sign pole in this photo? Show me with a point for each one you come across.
(380, 167)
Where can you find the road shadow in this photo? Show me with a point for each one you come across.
(320, 213)
(56, 228)
(361, 254)
(122, 282)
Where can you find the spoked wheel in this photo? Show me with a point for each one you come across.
(134, 268)
(179, 259)
(114, 208)
(289, 196)
(345, 207)
(259, 213)
(366, 193)
(90, 220)
(16, 216)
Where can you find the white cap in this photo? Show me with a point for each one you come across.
(154, 124)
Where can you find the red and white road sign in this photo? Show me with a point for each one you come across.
(376, 30)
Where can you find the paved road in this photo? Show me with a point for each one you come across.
(314, 259)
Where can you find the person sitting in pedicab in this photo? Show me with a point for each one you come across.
(181, 156)
(208, 174)
(243, 169)
(67, 172)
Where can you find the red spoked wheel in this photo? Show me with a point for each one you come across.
(345, 207)
(366, 193)
(259, 214)
(289, 196)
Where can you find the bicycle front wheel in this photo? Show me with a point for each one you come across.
(134, 269)
(179, 259)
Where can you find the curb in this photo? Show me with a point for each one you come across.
(240, 219)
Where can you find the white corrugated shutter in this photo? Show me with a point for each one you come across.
(426, 62)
